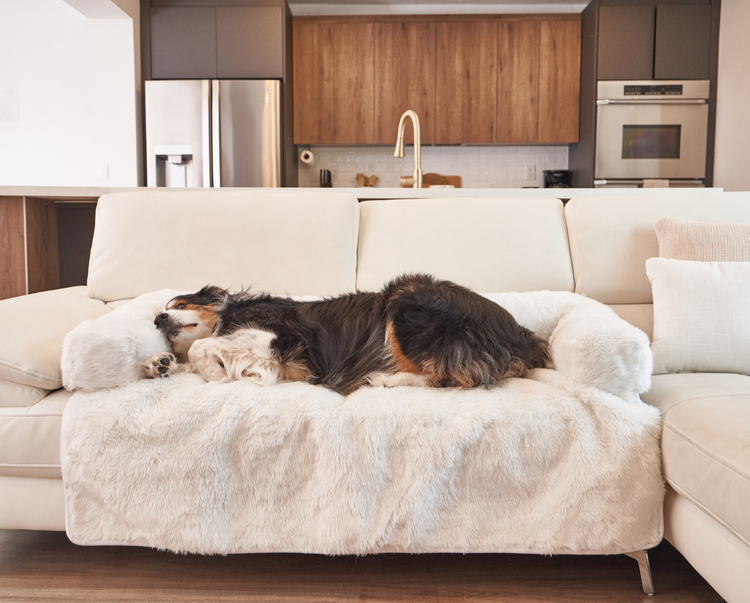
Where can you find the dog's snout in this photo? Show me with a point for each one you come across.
(161, 319)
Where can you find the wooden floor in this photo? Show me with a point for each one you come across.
(46, 566)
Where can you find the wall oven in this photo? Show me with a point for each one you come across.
(649, 131)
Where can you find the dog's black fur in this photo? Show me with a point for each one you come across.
(416, 324)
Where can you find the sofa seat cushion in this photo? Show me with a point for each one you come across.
(32, 328)
(706, 419)
(30, 437)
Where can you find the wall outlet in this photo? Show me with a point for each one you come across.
(102, 171)
(530, 172)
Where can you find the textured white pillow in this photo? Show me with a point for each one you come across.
(703, 241)
(701, 316)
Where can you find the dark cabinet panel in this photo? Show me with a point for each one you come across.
(183, 43)
(626, 43)
(249, 42)
(683, 42)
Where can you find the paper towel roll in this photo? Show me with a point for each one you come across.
(307, 157)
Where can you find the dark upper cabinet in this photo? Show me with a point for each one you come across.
(626, 43)
(661, 41)
(217, 42)
(683, 42)
(250, 42)
(183, 42)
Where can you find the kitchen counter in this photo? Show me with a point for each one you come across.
(88, 194)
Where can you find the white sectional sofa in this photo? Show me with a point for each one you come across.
(289, 242)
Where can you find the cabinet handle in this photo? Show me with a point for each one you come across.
(674, 101)
(216, 132)
(206, 131)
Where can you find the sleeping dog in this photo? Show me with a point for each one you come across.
(416, 331)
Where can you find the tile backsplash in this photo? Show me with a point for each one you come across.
(479, 166)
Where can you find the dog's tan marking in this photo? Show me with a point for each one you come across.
(402, 364)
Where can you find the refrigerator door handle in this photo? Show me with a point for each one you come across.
(216, 133)
(206, 131)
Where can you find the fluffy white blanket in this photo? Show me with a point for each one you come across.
(567, 461)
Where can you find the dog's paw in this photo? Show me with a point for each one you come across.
(161, 365)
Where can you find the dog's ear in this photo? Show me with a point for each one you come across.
(211, 294)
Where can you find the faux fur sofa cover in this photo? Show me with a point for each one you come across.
(567, 461)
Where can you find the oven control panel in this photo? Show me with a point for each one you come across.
(665, 90)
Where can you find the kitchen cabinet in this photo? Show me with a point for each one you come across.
(518, 82)
(660, 41)
(313, 82)
(183, 42)
(353, 84)
(334, 93)
(683, 42)
(538, 85)
(496, 79)
(200, 42)
(249, 42)
(29, 260)
(559, 83)
(405, 68)
(466, 99)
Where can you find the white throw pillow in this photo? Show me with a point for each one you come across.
(701, 316)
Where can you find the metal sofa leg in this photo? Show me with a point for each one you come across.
(642, 558)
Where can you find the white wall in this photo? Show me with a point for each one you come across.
(67, 97)
(732, 158)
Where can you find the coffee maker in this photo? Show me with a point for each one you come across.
(556, 178)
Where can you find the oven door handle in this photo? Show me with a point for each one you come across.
(675, 101)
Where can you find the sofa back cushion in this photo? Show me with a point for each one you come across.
(611, 237)
(277, 241)
(489, 245)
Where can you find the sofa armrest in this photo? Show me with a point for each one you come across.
(32, 329)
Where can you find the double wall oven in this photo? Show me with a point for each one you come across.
(651, 132)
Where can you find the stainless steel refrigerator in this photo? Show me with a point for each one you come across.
(211, 133)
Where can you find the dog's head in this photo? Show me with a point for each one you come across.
(190, 317)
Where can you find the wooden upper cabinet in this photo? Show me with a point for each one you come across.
(404, 79)
(518, 81)
(559, 81)
(333, 82)
(313, 83)
(353, 84)
(466, 98)
(470, 80)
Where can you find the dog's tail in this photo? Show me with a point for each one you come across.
(537, 353)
